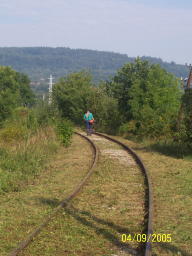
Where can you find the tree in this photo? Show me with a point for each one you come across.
(26, 94)
(71, 94)
(75, 94)
(105, 109)
(148, 97)
(14, 91)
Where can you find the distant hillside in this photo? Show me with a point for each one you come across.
(39, 62)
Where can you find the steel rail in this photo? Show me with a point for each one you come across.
(62, 204)
(149, 193)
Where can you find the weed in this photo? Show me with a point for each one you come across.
(65, 131)
(23, 161)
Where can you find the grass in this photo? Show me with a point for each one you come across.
(109, 205)
(172, 149)
(23, 211)
(168, 147)
(172, 185)
(22, 160)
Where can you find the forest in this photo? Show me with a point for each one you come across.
(39, 62)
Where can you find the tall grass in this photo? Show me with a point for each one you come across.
(64, 130)
(22, 161)
(27, 140)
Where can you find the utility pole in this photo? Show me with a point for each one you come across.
(50, 89)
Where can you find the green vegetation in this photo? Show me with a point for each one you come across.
(96, 219)
(105, 109)
(14, 91)
(21, 212)
(185, 127)
(65, 131)
(141, 101)
(148, 97)
(24, 149)
(72, 94)
(27, 141)
(39, 62)
(172, 182)
(27, 136)
(75, 94)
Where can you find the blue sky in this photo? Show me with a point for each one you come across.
(158, 28)
(164, 3)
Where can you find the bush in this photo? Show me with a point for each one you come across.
(65, 131)
(25, 121)
(128, 128)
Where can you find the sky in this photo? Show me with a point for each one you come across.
(157, 28)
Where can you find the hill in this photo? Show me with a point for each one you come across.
(39, 62)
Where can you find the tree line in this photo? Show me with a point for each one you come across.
(141, 100)
(40, 62)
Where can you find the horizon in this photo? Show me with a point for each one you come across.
(54, 47)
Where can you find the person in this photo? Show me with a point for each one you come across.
(89, 120)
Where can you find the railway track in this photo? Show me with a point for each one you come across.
(62, 204)
(146, 247)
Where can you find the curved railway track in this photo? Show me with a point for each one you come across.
(146, 251)
(148, 196)
(63, 203)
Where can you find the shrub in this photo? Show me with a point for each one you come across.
(65, 131)
(128, 128)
